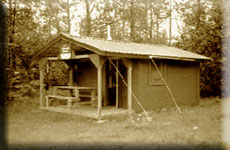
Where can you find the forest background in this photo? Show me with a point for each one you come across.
(192, 25)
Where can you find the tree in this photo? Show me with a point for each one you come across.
(86, 23)
(170, 22)
(202, 34)
(3, 63)
(157, 12)
(24, 33)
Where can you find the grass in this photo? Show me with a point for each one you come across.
(28, 125)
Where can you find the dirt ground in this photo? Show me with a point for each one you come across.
(28, 126)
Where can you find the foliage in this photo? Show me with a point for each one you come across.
(56, 73)
(202, 34)
(24, 34)
(129, 20)
(29, 26)
(31, 23)
(28, 89)
(3, 73)
(19, 85)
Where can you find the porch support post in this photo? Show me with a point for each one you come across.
(42, 63)
(99, 91)
(130, 69)
(117, 84)
(98, 61)
(41, 86)
(129, 66)
(198, 84)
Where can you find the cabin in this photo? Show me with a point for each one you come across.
(120, 77)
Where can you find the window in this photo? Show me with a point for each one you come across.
(154, 76)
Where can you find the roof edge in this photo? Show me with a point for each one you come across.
(179, 58)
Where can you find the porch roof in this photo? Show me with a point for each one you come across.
(123, 49)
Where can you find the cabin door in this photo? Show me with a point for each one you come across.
(116, 92)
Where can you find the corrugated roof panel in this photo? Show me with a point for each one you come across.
(140, 49)
(155, 51)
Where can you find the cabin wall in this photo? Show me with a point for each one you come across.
(86, 74)
(149, 96)
(181, 77)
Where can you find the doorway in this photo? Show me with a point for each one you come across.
(115, 87)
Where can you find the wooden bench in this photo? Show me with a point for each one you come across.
(76, 97)
(77, 94)
(69, 99)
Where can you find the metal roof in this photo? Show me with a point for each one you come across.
(150, 50)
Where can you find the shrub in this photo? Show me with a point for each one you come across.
(56, 73)
(28, 89)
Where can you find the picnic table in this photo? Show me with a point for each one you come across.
(77, 94)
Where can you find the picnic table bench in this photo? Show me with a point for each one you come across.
(77, 95)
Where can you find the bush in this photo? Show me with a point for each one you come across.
(56, 73)
(210, 79)
(28, 89)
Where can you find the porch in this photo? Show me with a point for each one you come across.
(88, 69)
(82, 98)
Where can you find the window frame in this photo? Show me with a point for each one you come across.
(162, 70)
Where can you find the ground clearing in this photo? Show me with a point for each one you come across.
(29, 126)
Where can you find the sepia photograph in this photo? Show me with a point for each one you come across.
(115, 74)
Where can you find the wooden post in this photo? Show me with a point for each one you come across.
(41, 87)
(77, 94)
(198, 84)
(130, 69)
(98, 61)
(69, 102)
(93, 97)
(99, 90)
(42, 63)
(104, 91)
(47, 102)
(128, 64)
(117, 85)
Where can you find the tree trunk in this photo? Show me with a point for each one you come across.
(88, 19)
(151, 24)
(157, 40)
(68, 15)
(132, 21)
(13, 61)
(170, 22)
(10, 31)
(58, 26)
(123, 17)
(49, 26)
(198, 14)
(49, 18)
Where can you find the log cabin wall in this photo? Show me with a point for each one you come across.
(181, 76)
(86, 74)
